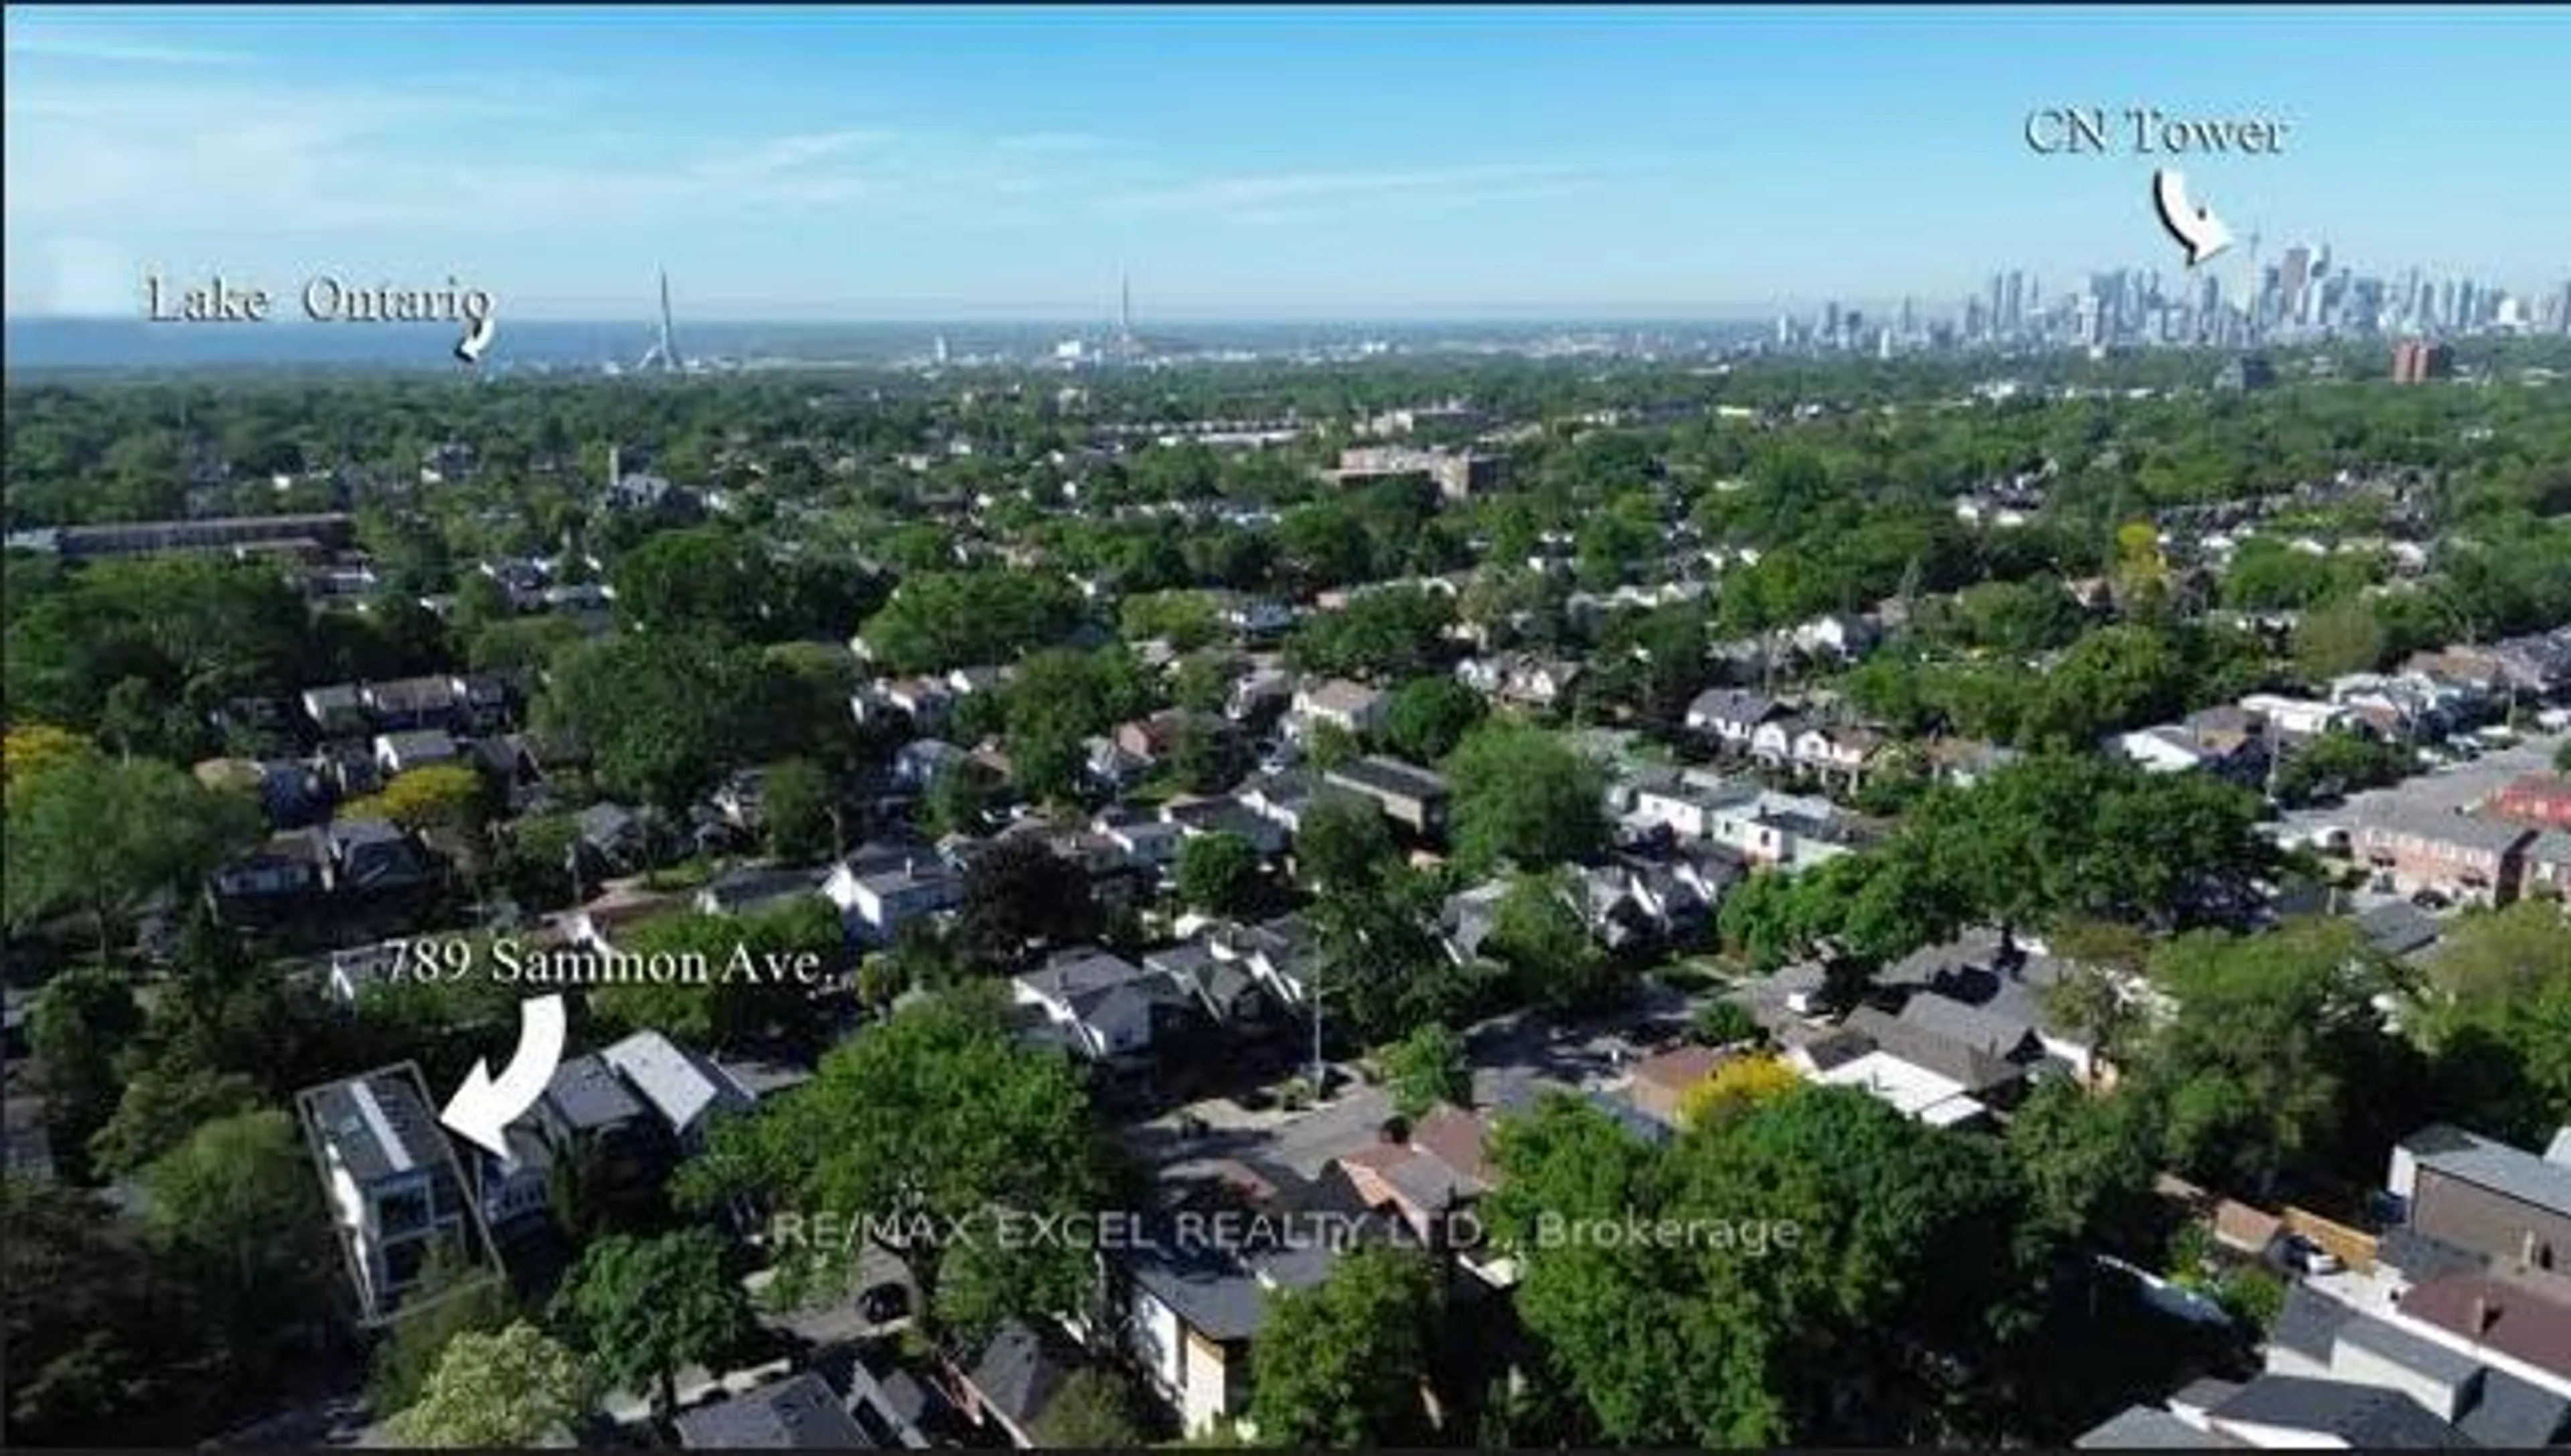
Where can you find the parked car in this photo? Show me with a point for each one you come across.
(2305, 1256)
(884, 1304)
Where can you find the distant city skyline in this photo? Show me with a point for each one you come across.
(1246, 165)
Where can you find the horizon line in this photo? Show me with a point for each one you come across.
(1498, 313)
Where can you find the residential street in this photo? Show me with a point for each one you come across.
(2440, 790)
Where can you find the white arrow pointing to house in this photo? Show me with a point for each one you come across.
(483, 1105)
(2197, 228)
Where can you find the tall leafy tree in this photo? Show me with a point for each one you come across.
(1019, 897)
(513, 1388)
(1095, 1409)
(2089, 1161)
(2252, 1078)
(101, 837)
(665, 715)
(1344, 1363)
(95, 1329)
(1382, 968)
(1524, 796)
(1220, 873)
(453, 1297)
(644, 1307)
(732, 1011)
(161, 1106)
(1340, 845)
(938, 1114)
(1426, 1068)
(236, 1208)
(1428, 716)
(705, 578)
(81, 1025)
(2492, 1017)
(800, 808)
(1540, 932)
(1838, 1248)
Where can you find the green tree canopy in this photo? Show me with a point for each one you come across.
(937, 1112)
(643, 1308)
(102, 837)
(1540, 932)
(799, 806)
(1426, 1068)
(729, 1009)
(943, 620)
(1428, 717)
(1840, 1245)
(1220, 873)
(515, 1388)
(1344, 1363)
(2252, 1078)
(666, 714)
(1525, 797)
(238, 1209)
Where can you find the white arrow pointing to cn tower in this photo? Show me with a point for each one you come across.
(483, 1105)
(477, 338)
(2197, 228)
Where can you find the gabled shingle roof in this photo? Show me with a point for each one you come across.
(799, 1413)
(2514, 1415)
(2147, 1428)
(1975, 1070)
(2486, 1162)
(1984, 1031)
(2364, 1417)
(1021, 1370)
(587, 1094)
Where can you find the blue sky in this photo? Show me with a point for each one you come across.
(1241, 164)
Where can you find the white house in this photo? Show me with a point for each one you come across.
(1843, 752)
(1687, 806)
(878, 899)
(1773, 742)
(1835, 635)
(1106, 1005)
(2301, 718)
(1731, 717)
(419, 748)
(2162, 751)
(1352, 708)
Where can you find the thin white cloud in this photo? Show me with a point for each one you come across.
(1279, 197)
(58, 43)
(788, 153)
(1054, 142)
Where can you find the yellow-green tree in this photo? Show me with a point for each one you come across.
(29, 752)
(446, 796)
(2140, 566)
(1734, 1087)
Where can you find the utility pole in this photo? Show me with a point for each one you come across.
(1320, 1072)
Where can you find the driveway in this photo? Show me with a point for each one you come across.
(839, 1321)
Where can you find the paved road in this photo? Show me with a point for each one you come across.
(2440, 790)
